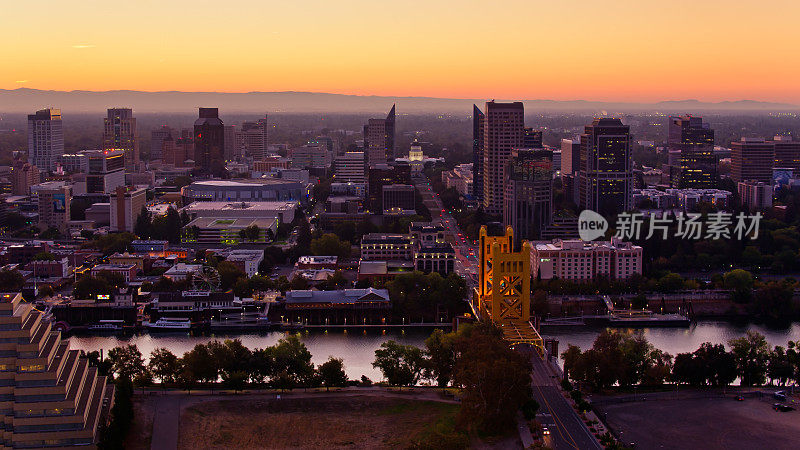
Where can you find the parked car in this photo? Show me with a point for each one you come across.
(780, 395)
(780, 407)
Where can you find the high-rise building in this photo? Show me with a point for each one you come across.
(126, 205)
(157, 137)
(398, 198)
(45, 138)
(752, 159)
(179, 151)
(379, 139)
(209, 142)
(528, 201)
(381, 175)
(119, 132)
(350, 168)
(477, 153)
(532, 138)
(787, 153)
(694, 140)
(253, 139)
(231, 149)
(54, 199)
(570, 155)
(503, 131)
(52, 396)
(606, 174)
(23, 176)
(106, 170)
(311, 156)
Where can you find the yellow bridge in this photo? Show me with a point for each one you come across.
(503, 294)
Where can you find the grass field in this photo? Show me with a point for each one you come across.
(361, 422)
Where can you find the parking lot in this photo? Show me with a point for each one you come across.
(722, 423)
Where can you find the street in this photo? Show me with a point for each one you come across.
(567, 430)
(466, 250)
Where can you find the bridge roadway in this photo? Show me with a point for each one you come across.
(567, 430)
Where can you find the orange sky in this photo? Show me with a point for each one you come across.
(626, 50)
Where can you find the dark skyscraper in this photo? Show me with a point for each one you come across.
(528, 201)
(477, 153)
(119, 132)
(532, 138)
(209, 142)
(379, 139)
(503, 129)
(752, 159)
(694, 140)
(606, 175)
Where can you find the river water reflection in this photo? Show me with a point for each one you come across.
(357, 347)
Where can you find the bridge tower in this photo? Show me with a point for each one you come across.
(503, 294)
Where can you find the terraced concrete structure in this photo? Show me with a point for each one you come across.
(49, 396)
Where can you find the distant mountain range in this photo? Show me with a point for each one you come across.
(25, 100)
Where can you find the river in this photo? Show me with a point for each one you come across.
(357, 347)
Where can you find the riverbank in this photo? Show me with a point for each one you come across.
(357, 347)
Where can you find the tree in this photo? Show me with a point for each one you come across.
(89, 287)
(50, 233)
(251, 233)
(779, 366)
(164, 365)
(740, 282)
(716, 364)
(262, 364)
(751, 354)
(441, 357)
(11, 280)
(332, 373)
(142, 226)
(143, 379)
(292, 362)
(198, 365)
(229, 273)
(330, 244)
(400, 364)
(773, 303)
(126, 362)
(181, 181)
(495, 380)
(114, 242)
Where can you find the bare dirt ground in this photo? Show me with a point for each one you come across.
(359, 422)
(140, 434)
(708, 423)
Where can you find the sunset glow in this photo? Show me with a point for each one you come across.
(625, 50)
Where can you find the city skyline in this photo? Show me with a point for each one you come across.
(637, 51)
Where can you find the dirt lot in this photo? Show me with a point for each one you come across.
(362, 421)
(140, 434)
(709, 423)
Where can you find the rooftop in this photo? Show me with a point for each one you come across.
(344, 296)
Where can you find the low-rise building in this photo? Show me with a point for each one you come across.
(317, 262)
(282, 210)
(227, 231)
(435, 258)
(386, 247)
(577, 260)
(246, 260)
(755, 194)
(182, 271)
(58, 268)
(128, 271)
